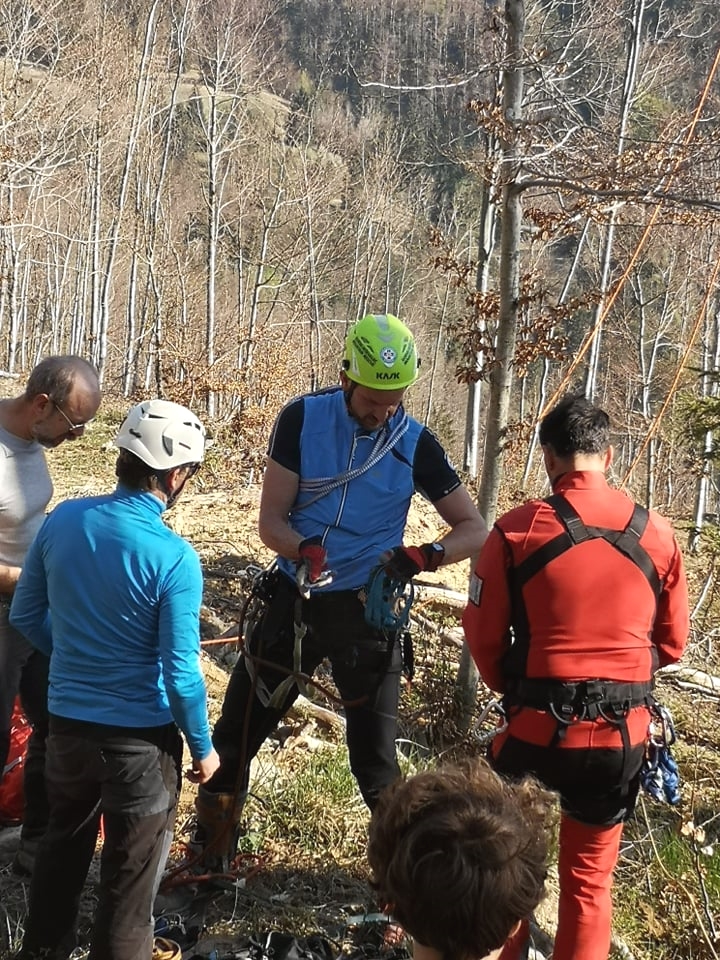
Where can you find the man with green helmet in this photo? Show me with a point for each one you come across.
(343, 464)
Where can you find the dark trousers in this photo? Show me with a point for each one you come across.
(132, 778)
(24, 671)
(598, 788)
(366, 668)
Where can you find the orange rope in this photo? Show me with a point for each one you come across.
(678, 373)
(641, 243)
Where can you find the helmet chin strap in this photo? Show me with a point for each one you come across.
(170, 496)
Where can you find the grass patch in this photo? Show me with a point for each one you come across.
(312, 804)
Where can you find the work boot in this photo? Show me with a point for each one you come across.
(218, 829)
(24, 860)
(164, 949)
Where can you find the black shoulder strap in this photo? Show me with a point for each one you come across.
(627, 541)
(575, 532)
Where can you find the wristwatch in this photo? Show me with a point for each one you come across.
(436, 555)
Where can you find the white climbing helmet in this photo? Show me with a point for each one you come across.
(162, 434)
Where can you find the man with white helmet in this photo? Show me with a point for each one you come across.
(343, 464)
(113, 596)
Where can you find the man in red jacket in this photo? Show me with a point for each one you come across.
(575, 602)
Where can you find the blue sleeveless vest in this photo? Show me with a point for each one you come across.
(365, 516)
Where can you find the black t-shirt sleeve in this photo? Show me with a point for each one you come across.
(433, 474)
(284, 445)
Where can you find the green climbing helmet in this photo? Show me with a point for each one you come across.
(380, 353)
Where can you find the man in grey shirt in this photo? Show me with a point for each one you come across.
(61, 396)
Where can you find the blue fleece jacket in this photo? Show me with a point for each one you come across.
(113, 597)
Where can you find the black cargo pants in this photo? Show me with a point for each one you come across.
(366, 668)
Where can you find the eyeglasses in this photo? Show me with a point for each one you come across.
(72, 427)
(192, 469)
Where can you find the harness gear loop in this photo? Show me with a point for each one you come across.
(281, 691)
(492, 706)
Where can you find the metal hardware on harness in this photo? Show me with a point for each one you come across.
(305, 586)
(262, 587)
(387, 601)
(660, 775)
(661, 729)
(494, 706)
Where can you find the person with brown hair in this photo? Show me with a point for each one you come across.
(343, 465)
(459, 858)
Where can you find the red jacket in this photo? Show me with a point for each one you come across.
(591, 611)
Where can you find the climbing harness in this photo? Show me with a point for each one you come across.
(627, 541)
(277, 697)
(659, 775)
(589, 699)
(485, 736)
(388, 601)
(262, 591)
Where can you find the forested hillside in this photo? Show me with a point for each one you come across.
(201, 195)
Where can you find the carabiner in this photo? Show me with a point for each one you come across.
(494, 706)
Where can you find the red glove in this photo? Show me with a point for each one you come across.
(404, 563)
(311, 567)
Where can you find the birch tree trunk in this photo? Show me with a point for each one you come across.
(142, 87)
(709, 388)
(501, 376)
(486, 246)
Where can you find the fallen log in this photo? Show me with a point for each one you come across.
(690, 678)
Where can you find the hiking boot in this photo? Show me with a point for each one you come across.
(24, 860)
(216, 835)
(164, 949)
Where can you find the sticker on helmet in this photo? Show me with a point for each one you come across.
(388, 356)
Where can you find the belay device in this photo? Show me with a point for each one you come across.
(388, 601)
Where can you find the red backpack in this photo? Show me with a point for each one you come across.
(11, 783)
